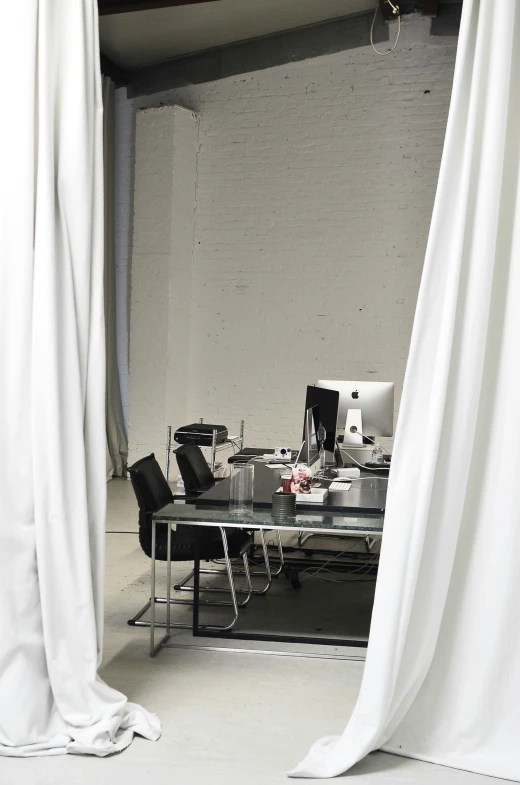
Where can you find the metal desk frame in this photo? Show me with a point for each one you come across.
(198, 632)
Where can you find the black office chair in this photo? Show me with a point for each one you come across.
(197, 478)
(153, 493)
(194, 469)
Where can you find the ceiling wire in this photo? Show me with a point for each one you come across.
(395, 9)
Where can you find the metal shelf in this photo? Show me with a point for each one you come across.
(231, 441)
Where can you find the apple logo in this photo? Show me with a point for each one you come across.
(355, 395)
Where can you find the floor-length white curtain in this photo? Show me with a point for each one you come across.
(52, 394)
(442, 676)
(117, 442)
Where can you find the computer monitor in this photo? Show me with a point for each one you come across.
(327, 402)
(310, 450)
(369, 407)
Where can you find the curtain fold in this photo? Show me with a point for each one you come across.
(117, 443)
(52, 394)
(442, 680)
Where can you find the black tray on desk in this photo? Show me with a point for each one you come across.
(247, 453)
(367, 497)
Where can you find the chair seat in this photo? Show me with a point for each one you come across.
(184, 541)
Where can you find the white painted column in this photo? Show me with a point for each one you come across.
(160, 304)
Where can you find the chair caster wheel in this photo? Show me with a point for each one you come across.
(292, 577)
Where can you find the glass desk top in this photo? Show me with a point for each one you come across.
(262, 518)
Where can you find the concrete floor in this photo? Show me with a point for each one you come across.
(228, 718)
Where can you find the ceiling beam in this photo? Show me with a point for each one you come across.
(117, 75)
(257, 54)
(126, 6)
(426, 7)
(268, 51)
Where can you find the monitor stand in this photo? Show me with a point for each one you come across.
(353, 429)
(355, 449)
(351, 439)
(334, 460)
(338, 458)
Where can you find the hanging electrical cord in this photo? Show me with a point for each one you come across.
(395, 9)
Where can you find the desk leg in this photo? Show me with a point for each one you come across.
(152, 592)
(196, 592)
(154, 648)
(168, 580)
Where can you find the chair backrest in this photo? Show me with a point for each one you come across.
(149, 483)
(194, 469)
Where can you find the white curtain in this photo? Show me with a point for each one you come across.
(52, 394)
(117, 443)
(442, 676)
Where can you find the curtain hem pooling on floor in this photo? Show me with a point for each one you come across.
(52, 390)
(442, 679)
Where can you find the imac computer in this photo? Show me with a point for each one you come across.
(364, 408)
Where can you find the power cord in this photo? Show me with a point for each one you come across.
(363, 578)
(395, 10)
(355, 429)
(314, 573)
(361, 466)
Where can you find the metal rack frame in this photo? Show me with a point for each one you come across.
(214, 446)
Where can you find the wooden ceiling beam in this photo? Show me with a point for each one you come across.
(126, 6)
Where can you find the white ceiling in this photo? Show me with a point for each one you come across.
(144, 37)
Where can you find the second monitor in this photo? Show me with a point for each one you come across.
(325, 405)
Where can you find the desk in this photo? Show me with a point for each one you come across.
(363, 497)
(315, 521)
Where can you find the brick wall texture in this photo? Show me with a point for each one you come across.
(315, 184)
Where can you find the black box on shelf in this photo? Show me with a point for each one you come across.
(201, 434)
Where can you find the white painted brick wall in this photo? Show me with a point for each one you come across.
(315, 187)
